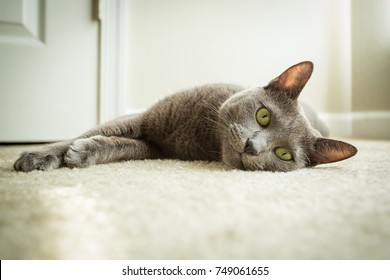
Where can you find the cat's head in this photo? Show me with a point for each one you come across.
(264, 128)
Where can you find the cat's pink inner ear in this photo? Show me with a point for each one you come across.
(328, 150)
(293, 80)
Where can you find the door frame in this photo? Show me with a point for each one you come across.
(113, 60)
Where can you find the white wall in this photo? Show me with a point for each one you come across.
(181, 43)
(176, 44)
(371, 68)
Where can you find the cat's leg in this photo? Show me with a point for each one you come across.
(52, 156)
(47, 158)
(128, 126)
(314, 120)
(99, 149)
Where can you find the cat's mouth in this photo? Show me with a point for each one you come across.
(248, 161)
(240, 163)
(238, 159)
(251, 163)
(246, 157)
(232, 157)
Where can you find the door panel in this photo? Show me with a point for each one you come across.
(21, 22)
(48, 69)
(11, 12)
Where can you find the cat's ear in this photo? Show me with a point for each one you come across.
(328, 150)
(292, 81)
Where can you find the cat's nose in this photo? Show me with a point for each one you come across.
(251, 148)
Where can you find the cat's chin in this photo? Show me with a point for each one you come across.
(242, 163)
(252, 163)
(236, 159)
(233, 159)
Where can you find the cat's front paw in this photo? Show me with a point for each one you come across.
(37, 160)
(81, 153)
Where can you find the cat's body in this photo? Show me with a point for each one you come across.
(252, 129)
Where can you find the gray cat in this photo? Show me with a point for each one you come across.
(261, 128)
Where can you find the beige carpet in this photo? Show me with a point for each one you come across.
(197, 210)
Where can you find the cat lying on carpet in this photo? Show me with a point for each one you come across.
(261, 128)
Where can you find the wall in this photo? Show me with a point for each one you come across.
(176, 44)
(371, 68)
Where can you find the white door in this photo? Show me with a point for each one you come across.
(48, 69)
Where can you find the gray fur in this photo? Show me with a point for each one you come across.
(211, 122)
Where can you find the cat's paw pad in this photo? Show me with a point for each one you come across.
(39, 160)
(81, 153)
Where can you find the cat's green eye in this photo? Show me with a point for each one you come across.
(263, 116)
(283, 154)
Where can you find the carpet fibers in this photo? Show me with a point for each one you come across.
(169, 209)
